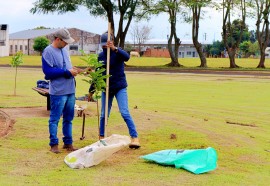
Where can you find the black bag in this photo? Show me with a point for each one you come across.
(43, 84)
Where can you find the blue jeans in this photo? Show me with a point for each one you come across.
(61, 105)
(122, 100)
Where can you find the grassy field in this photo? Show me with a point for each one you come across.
(228, 113)
(219, 63)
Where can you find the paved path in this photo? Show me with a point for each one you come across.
(185, 70)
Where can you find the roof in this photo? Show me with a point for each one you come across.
(29, 34)
(165, 42)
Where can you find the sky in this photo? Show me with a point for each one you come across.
(16, 13)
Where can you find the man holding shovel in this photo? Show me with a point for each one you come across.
(117, 88)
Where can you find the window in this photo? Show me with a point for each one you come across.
(73, 47)
(21, 48)
(25, 47)
(3, 34)
(189, 53)
(16, 48)
(11, 48)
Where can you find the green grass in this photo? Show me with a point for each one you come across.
(213, 63)
(194, 107)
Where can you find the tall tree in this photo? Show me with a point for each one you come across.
(125, 8)
(228, 31)
(172, 8)
(196, 8)
(140, 34)
(262, 24)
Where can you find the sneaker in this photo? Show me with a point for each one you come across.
(69, 147)
(135, 144)
(54, 149)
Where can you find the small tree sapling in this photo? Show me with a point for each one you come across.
(96, 78)
(16, 60)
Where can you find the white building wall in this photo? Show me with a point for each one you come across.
(74, 48)
(4, 40)
(267, 52)
(187, 51)
(16, 45)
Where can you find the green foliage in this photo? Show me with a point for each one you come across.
(41, 27)
(195, 6)
(127, 9)
(254, 48)
(50, 6)
(235, 32)
(249, 48)
(214, 51)
(40, 43)
(244, 46)
(96, 78)
(17, 59)
(216, 48)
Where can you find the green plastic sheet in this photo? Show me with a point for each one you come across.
(196, 161)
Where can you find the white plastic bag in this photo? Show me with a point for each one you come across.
(97, 152)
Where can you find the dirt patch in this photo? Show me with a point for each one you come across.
(8, 115)
(26, 112)
(6, 123)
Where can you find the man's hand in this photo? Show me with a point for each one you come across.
(111, 45)
(73, 71)
(84, 71)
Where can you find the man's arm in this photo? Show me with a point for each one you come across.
(123, 54)
(54, 73)
(119, 51)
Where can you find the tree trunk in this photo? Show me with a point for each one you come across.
(119, 35)
(122, 32)
(173, 54)
(262, 60)
(108, 6)
(228, 30)
(198, 47)
(232, 59)
(196, 10)
(15, 82)
(262, 29)
(174, 62)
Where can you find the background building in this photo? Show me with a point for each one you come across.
(159, 48)
(24, 41)
(4, 40)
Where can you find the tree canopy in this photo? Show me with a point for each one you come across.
(105, 8)
(40, 43)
